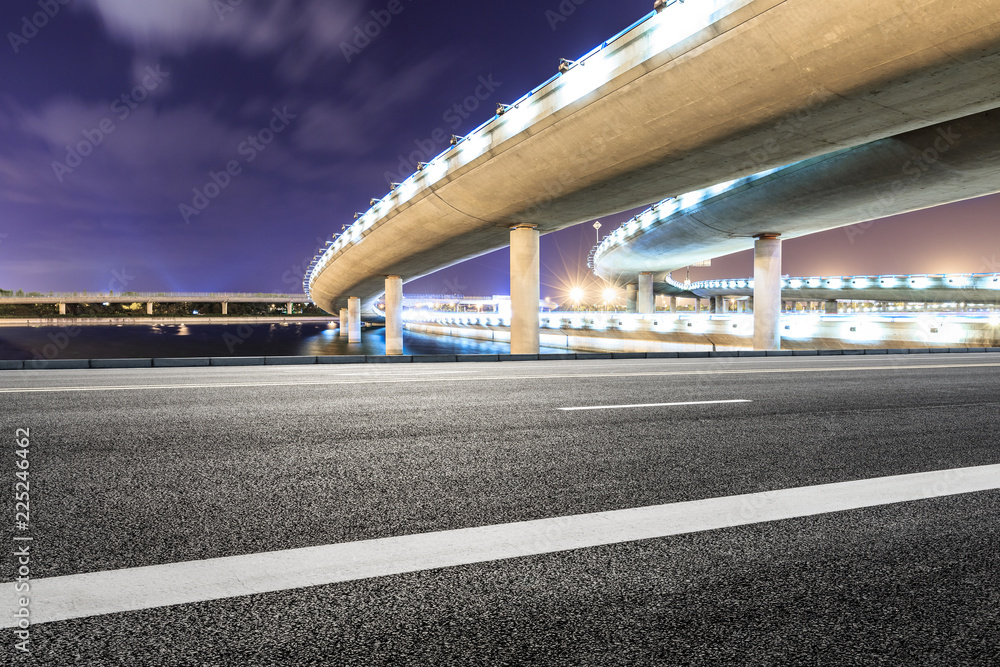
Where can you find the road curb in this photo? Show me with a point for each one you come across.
(196, 362)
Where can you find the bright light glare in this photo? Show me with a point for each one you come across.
(476, 145)
(610, 294)
(518, 118)
(681, 20)
(584, 78)
(437, 169)
(576, 294)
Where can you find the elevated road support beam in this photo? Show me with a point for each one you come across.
(393, 315)
(631, 298)
(646, 303)
(525, 289)
(354, 320)
(767, 292)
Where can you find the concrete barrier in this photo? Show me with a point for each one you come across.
(477, 357)
(237, 361)
(190, 362)
(121, 363)
(433, 358)
(289, 361)
(56, 364)
(342, 359)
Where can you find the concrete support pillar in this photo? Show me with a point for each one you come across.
(149, 307)
(289, 307)
(354, 320)
(697, 305)
(225, 307)
(750, 307)
(830, 307)
(767, 293)
(723, 305)
(525, 289)
(673, 304)
(62, 308)
(393, 315)
(631, 297)
(345, 321)
(647, 299)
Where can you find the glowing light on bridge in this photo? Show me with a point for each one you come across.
(681, 21)
(585, 77)
(476, 145)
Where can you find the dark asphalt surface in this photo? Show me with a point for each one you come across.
(145, 476)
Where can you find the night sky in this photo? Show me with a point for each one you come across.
(155, 96)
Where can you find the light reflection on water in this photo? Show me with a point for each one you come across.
(211, 340)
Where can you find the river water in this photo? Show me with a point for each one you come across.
(210, 340)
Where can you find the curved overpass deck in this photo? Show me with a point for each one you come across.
(695, 95)
(915, 170)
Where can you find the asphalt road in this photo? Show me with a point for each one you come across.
(157, 466)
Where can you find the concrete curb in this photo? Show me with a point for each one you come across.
(195, 362)
(191, 362)
(237, 361)
(121, 363)
(289, 361)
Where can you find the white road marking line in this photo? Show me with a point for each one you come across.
(480, 378)
(655, 405)
(97, 593)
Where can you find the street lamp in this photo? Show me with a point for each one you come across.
(576, 296)
(597, 228)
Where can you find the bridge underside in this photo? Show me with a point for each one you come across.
(920, 169)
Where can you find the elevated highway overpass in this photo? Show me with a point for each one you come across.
(915, 170)
(149, 298)
(700, 93)
(976, 288)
